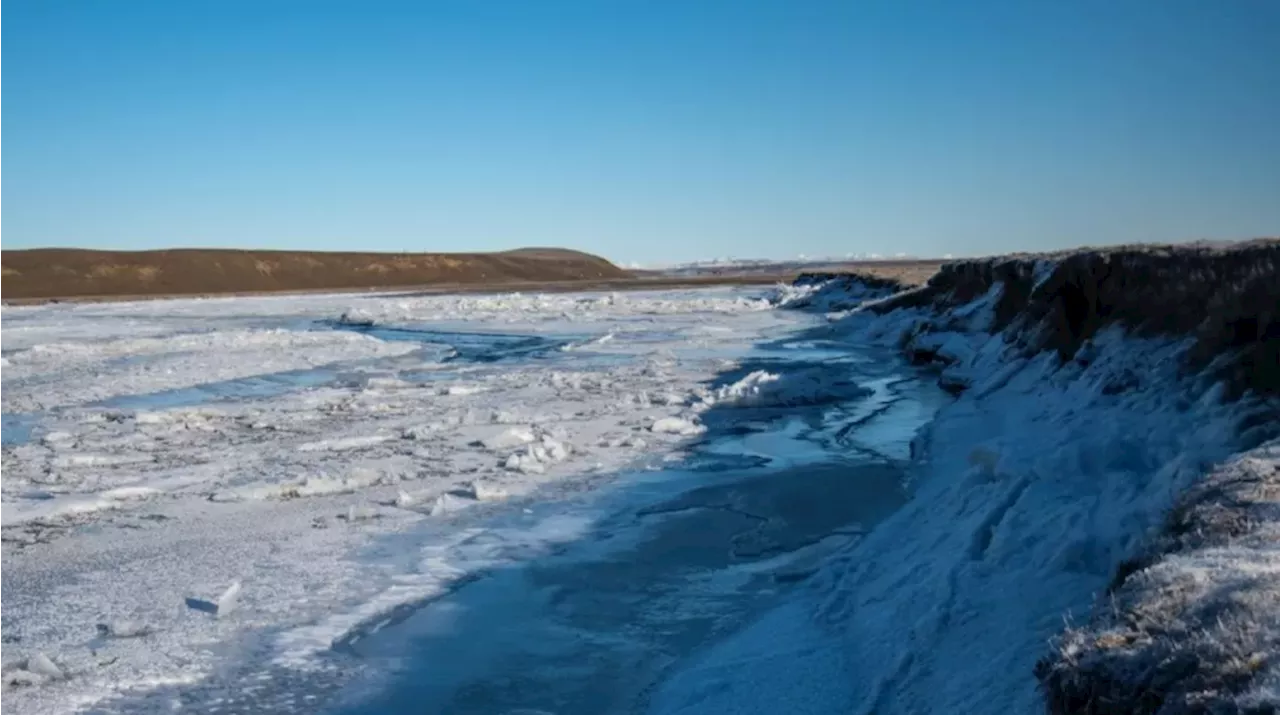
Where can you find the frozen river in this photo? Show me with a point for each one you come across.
(445, 504)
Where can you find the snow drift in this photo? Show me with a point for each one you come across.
(1095, 390)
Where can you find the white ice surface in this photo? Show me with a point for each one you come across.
(129, 514)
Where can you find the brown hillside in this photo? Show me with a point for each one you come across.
(68, 273)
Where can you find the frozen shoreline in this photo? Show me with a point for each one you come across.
(1094, 389)
(125, 516)
(1090, 406)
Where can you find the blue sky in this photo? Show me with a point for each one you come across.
(644, 131)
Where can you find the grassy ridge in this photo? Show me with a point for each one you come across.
(68, 273)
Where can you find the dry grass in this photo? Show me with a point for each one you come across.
(77, 273)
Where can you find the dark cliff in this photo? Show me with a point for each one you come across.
(1226, 297)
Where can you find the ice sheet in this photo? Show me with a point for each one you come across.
(158, 452)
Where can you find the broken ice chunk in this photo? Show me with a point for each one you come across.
(527, 463)
(677, 425)
(21, 676)
(228, 601)
(41, 665)
(484, 491)
(359, 513)
(124, 629)
(447, 503)
(508, 439)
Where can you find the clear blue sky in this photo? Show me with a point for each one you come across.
(645, 131)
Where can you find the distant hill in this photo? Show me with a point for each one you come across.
(75, 273)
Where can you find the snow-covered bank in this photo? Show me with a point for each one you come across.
(1094, 389)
